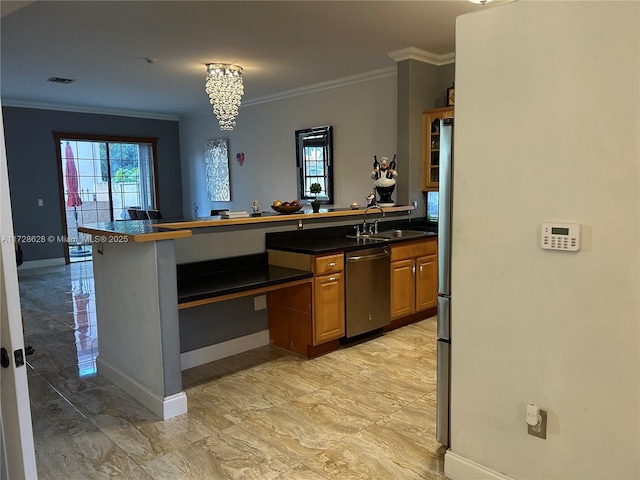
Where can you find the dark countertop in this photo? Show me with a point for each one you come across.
(214, 278)
(331, 240)
(234, 281)
(124, 231)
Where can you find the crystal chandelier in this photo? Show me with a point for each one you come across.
(225, 89)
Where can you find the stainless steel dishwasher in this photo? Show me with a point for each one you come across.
(367, 299)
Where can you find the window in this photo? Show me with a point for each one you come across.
(100, 179)
(432, 207)
(315, 163)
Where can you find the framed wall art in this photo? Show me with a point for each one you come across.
(216, 159)
(450, 95)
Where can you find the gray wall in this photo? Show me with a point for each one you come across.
(421, 86)
(33, 170)
(220, 322)
(365, 117)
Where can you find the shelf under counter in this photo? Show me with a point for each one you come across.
(202, 283)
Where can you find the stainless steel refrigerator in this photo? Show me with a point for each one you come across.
(445, 198)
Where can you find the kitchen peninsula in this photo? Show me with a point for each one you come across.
(146, 277)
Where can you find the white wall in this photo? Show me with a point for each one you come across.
(364, 119)
(547, 129)
(17, 454)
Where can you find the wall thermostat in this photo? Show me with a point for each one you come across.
(561, 236)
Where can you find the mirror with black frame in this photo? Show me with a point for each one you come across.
(314, 163)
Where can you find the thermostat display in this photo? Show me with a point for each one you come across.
(561, 236)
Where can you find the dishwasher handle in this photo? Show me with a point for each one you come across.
(365, 258)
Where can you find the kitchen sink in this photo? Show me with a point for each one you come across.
(365, 238)
(389, 235)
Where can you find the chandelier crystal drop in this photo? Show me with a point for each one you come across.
(225, 89)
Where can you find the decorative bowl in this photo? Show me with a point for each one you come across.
(286, 209)
(355, 206)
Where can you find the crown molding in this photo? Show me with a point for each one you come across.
(93, 110)
(412, 53)
(318, 87)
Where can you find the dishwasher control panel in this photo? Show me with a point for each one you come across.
(561, 236)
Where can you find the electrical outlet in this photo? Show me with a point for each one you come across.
(41, 202)
(414, 203)
(260, 302)
(539, 430)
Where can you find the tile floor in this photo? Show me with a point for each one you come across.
(362, 412)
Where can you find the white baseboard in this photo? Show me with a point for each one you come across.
(164, 407)
(200, 356)
(174, 405)
(47, 262)
(460, 468)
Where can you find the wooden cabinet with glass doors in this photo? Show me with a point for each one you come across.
(431, 146)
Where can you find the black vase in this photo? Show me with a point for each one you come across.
(316, 206)
(385, 193)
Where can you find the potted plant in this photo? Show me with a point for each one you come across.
(315, 188)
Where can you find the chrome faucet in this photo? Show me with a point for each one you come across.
(364, 218)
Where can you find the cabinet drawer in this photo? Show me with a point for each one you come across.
(413, 250)
(328, 264)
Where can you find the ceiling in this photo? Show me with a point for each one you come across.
(283, 47)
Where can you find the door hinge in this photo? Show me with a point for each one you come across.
(18, 355)
(5, 360)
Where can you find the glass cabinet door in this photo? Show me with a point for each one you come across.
(431, 146)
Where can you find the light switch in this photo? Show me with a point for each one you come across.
(41, 202)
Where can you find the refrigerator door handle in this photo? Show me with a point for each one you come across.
(445, 197)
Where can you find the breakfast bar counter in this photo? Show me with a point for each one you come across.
(132, 231)
(151, 326)
(152, 230)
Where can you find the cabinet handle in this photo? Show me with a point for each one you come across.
(420, 269)
(332, 264)
(414, 269)
(332, 279)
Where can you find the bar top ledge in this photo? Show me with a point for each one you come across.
(152, 230)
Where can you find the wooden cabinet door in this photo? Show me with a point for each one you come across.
(403, 288)
(426, 282)
(328, 308)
